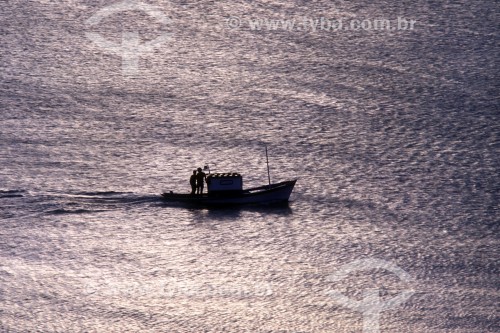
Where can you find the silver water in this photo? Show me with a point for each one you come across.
(393, 134)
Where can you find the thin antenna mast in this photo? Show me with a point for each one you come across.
(268, 173)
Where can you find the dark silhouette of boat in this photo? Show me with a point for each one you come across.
(267, 194)
(226, 189)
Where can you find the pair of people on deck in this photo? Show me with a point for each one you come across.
(197, 181)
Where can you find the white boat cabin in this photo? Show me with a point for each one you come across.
(218, 182)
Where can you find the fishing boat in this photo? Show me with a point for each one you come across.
(226, 189)
(267, 194)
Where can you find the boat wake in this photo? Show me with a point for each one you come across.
(63, 211)
(11, 193)
(17, 203)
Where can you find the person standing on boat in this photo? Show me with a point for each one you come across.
(192, 182)
(200, 181)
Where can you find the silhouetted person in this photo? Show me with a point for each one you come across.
(200, 181)
(192, 182)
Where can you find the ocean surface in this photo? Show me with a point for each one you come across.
(393, 134)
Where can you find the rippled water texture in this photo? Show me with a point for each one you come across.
(393, 135)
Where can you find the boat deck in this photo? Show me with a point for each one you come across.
(273, 193)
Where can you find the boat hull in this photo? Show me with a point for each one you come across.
(268, 194)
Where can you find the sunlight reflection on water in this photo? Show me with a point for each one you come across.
(391, 135)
